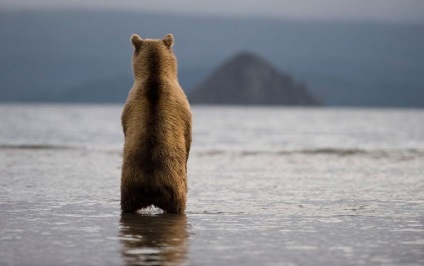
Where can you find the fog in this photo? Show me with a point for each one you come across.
(373, 10)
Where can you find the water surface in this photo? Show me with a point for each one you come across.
(267, 186)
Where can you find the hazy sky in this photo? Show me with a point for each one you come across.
(380, 10)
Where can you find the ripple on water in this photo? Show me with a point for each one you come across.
(297, 195)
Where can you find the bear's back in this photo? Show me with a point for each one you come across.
(156, 117)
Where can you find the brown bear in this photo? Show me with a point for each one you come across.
(156, 121)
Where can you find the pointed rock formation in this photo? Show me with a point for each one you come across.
(248, 79)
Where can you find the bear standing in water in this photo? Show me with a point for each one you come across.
(156, 120)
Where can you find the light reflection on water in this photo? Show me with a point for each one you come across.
(153, 239)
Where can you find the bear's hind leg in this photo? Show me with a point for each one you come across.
(132, 199)
(171, 201)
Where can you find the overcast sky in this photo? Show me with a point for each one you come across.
(376, 10)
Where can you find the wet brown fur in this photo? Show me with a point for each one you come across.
(156, 120)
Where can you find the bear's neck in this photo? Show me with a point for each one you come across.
(158, 74)
(157, 68)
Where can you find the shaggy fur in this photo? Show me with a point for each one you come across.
(157, 126)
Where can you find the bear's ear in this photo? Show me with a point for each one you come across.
(136, 41)
(168, 40)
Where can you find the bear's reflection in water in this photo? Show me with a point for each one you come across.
(153, 239)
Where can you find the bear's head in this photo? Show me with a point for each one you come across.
(153, 57)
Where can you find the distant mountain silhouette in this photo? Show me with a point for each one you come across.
(248, 79)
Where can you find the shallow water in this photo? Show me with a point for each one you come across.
(268, 186)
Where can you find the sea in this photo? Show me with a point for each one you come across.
(267, 186)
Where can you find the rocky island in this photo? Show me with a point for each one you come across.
(248, 79)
